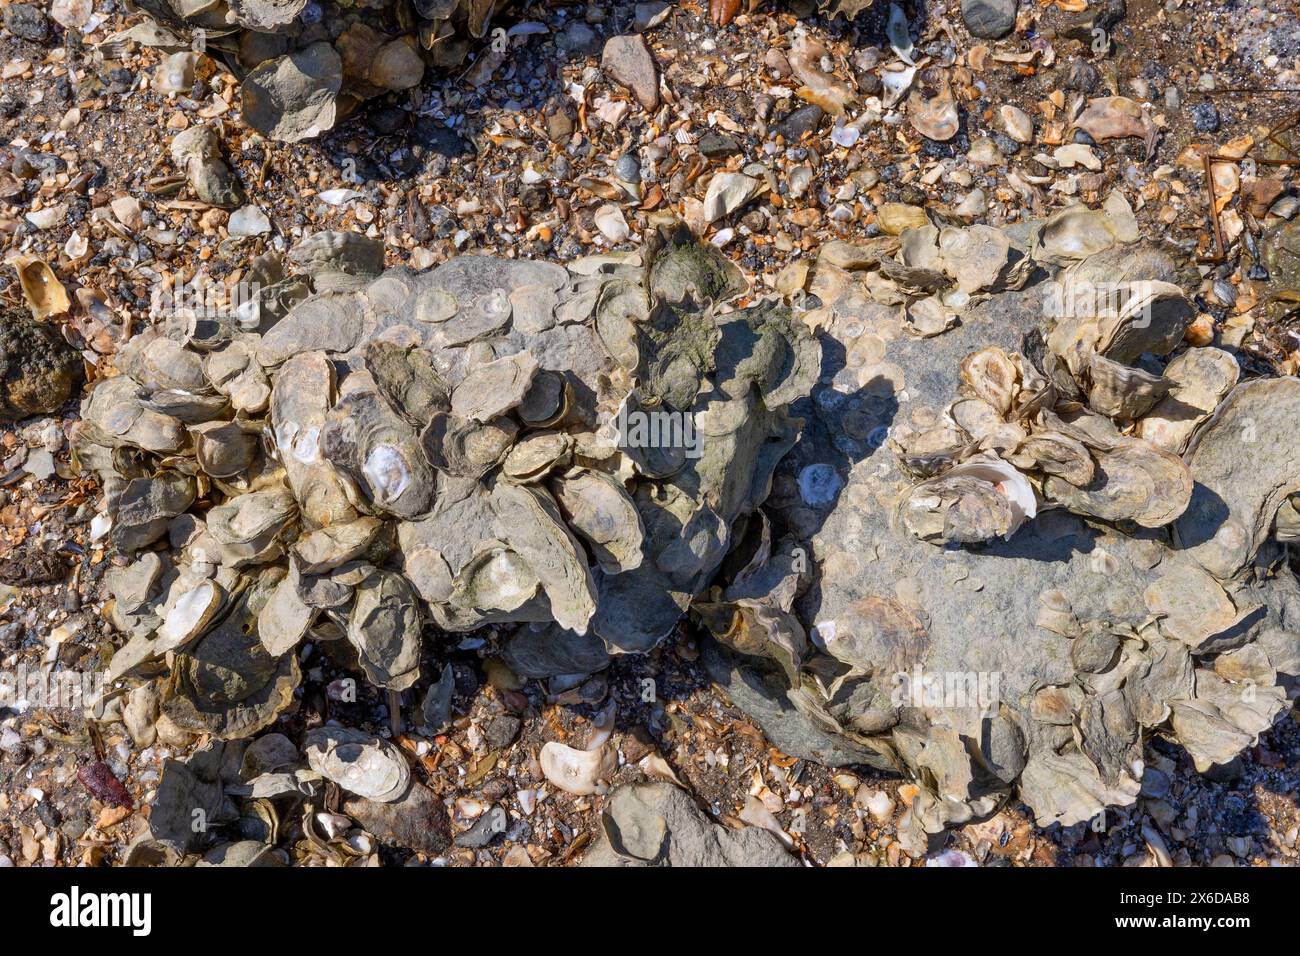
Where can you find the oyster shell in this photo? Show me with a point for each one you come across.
(146, 507)
(384, 627)
(537, 455)
(294, 97)
(378, 451)
(1089, 641)
(360, 763)
(300, 404)
(1246, 464)
(223, 449)
(491, 390)
(251, 528)
(390, 407)
(974, 501)
(598, 507)
(528, 520)
(1134, 481)
(226, 684)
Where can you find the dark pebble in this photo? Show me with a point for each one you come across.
(386, 120)
(1082, 76)
(26, 22)
(500, 732)
(1205, 117)
(714, 145)
(485, 829)
(1006, 144)
(432, 135)
(800, 123)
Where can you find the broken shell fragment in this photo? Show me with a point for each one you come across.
(44, 294)
(385, 628)
(197, 152)
(574, 771)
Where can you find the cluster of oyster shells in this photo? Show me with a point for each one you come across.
(374, 456)
(305, 65)
(1041, 533)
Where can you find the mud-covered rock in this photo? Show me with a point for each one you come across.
(39, 371)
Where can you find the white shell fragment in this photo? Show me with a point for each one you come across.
(368, 766)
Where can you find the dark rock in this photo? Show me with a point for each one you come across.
(1007, 145)
(714, 145)
(869, 84)
(432, 135)
(1104, 17)
(386, 120)
(1082, 76)
(637, 743)
(119, 79)
(535, 197)
(26, 22)
(31, 567)
(628, 168)
(1205, 117)
(417, 220)
(30, 164)
(800, 123)
(989, 19)
(39, 371)
(485, 829)
(500, 732)
(418, 821)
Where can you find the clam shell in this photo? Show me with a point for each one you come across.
(146, 506)
(115, 415)
(1246, 462)
(226, 684)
